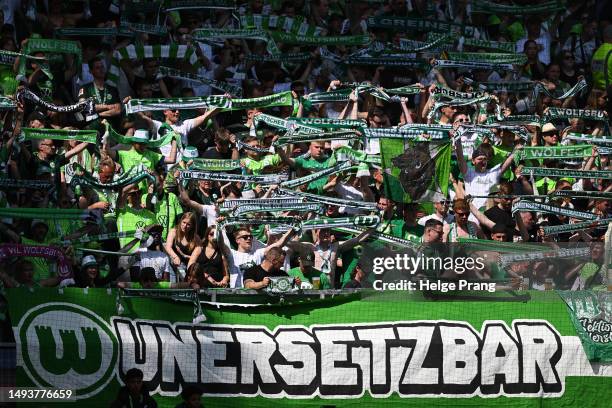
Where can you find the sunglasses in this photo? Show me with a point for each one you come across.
(461, 214)
(247, 237)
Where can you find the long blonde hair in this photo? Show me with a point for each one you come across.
(190, 236)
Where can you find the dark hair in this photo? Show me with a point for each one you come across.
(191, 390)
(432, 222)
(134, 373)
(147, 274)
(499, 229)
(95, 59)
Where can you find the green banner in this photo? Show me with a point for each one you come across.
(371, 349)
(554, 152)
(415, 171)
(591, 313)
(409, 24)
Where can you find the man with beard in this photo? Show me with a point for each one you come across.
(258, 276)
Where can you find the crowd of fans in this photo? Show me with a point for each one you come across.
(175, 242)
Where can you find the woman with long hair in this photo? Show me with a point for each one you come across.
(207, 264)
(183, 240)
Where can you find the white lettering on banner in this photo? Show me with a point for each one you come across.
(417, 359)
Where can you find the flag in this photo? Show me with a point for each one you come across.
(415, 171)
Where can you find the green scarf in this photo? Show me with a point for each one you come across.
(573, 91)
(159, 30)
(151, 144)
(389, 61)
(488, 57)
(551, 209)
(505, 260)
(317, 175)
(412, 46)
(51, 214)
(451, 93)
(344, 153)
(350, 40)
(295, 25)
(339, 202)
(490, 45)
(215, 164)
(245, 178)
(508, 86)
(87, 136)
(230, 205)
(84, 178)
(51, 47)
(285, 57)
(472, 64)
(139, 52)
(579, 226)
(172, 5)
(590, 174)
(220, 85)
(278, 207)
(476, 244)
(32, 184)
(142, 105)
(379, 236)
(548, 7)
(604, 195)
(567, 113)
(410, 24)
(99, 237)
(413, 131)
(605, 140)
(554, 152)
(7, 103)
(292, 138)
(93, 32)
(326, 222)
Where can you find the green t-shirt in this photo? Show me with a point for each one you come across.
(500, 154)
(156, 285)
(314, 166)
(131, 158)
(166, 211)
(394, 227)
(314, 273)
(129, 219)
(42, 266)
(256, 166)
(414, 233)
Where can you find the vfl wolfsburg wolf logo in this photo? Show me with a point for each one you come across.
(67, 346)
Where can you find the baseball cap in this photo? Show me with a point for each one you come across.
(141, 136)
(190, 152)
(89, 260)
(307, 259)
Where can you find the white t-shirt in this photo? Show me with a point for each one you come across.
(481, 183)
(182, 128)
(240, 261)
(156, 260)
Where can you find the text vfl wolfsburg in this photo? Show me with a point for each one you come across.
(411, 358)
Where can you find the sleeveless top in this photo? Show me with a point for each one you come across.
(212, 266)
(453, 235)
(181, 249)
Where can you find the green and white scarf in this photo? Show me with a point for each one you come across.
(379, 236)
(579, 226)
(151, 144)
(172, 5)
(410, 24)
(82, 177)
(283, 58)
(579, 88)
(501, 58)
(139, 52)
(411, 46)
(230, 205)
(350, 40)
(87, 136)
(451, 93)
(413, 131)
(52, 214)
(489, 45)
(472, 64)
(51, 47)
(317, 175)
(220, 85)
(159, 30)
(142, 105)
(344, 153)
(93, 32)
(245, 178)
(508, 86)
(325, 123)
(298, 137)
(533, 120)
(605, 140)
(553, 152)
(214, 164)
(32, 184)
(296, 25)
(277, 207)
(551, 209)
(7, 103)
(589, 174)
(388, 61)
(339, 202)
(488, 7)
(326, 222)
(567, 113)
(507, 259)
(99, 237)
(603, 195)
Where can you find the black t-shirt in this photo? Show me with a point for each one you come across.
(214, 154)
(257, 273)
(352, 284)
(499, 216)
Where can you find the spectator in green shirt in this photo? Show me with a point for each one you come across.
(306, 271)
(317, 161)
(139, 153)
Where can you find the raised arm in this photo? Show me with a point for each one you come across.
(348, 244)
(463, 168)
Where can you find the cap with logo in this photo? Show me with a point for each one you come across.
(89, 260)
(190, 152)
(140, 136)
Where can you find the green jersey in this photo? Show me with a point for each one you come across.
(314, 166)
(166, 210)
(129, 219)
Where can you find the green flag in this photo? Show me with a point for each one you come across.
(415, 171)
